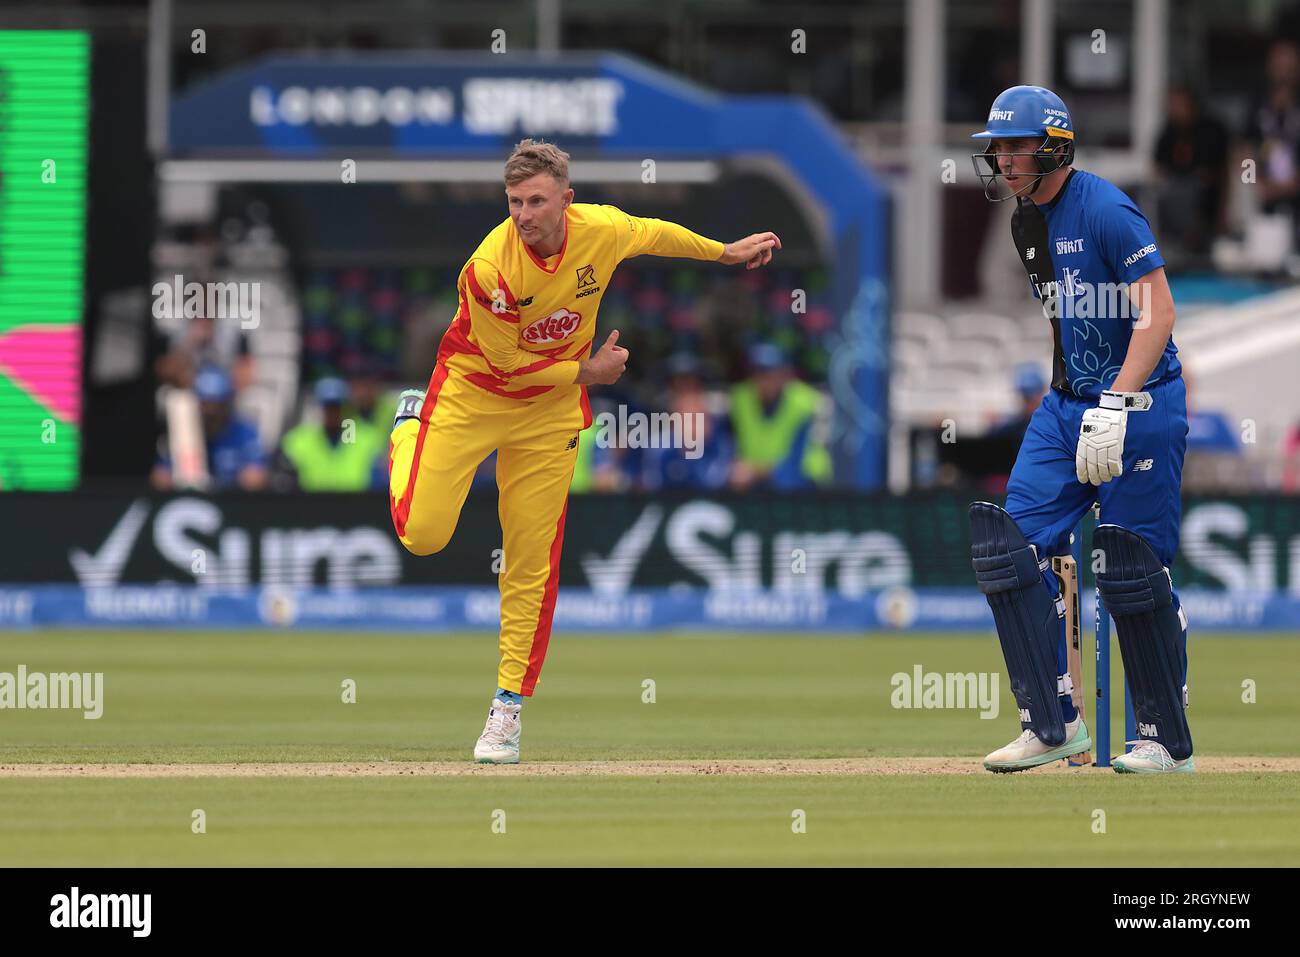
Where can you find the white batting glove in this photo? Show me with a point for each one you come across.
(1100, 454)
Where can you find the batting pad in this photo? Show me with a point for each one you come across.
(1028, 618)
(1137, 592)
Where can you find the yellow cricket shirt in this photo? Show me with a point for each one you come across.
(524, 322)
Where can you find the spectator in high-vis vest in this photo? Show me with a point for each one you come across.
(334, 454)
(779, 424)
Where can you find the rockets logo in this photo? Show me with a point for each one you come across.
(560, 324)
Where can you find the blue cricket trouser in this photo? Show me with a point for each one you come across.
(1047, 500)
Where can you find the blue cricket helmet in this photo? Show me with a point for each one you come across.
(331, 391)
(1029, 379)
(1025, 112)
(213, 384)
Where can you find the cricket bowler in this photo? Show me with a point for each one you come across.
(511, 376)
(1112, 429)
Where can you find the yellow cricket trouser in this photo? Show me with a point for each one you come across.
(432, 463)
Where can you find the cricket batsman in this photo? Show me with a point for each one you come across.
(1112, 429)
(511, 376)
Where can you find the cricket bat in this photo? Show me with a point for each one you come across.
(189, 455)
(1067, 572)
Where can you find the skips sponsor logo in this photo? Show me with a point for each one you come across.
(1066, 246)
(556, 327)
(1003, 115)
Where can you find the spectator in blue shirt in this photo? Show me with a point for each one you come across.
(1031, 385)
(235, 456)
(707, 463)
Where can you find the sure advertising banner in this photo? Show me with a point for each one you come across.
(834, 561)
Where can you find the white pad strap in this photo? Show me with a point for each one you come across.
(1129, 401)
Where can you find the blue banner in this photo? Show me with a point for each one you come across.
(444, 104)
(442, 609)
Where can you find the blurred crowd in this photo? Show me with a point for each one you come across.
(1226, 199)
(340, 445)
(767, 431)
(720, 346)
(1215, 459)
(1198, 156)
(724, 349)
(389, 320)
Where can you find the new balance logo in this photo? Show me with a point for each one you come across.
(1143, 465)
(1029, 253)
(573, 444)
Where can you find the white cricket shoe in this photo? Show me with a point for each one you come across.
(1029, 751)
(499, 742)
(1151, 757)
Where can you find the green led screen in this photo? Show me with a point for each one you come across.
(44, 104)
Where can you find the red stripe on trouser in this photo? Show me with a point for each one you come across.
(402, 510)
(542, 635)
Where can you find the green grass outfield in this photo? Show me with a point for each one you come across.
(195, 698)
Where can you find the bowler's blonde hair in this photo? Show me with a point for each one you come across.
(531, 157)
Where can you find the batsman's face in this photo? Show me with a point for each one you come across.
(1015, 159)
(215, 415)
(537, 207)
